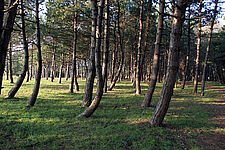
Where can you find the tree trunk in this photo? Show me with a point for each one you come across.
(121, 51)
(31, 64)
(67, 71)
(22, 76)
(61, 68)
(148, 96)
(91, 68)
(10, 64)
(100, 82)
(7, 69)
(173, 64)
(188, 50)
(208, 49)
(114, 55)
(53, 66)
(46, 71)
(106, 46)
(33, 97)
(139, 50)
(6, 24)
(198, 49)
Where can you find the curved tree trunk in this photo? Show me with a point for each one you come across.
(139, 49)
(113, 83)
(208, 49)
(91, 67)
(155, 69)
(22, 76)
(198, 49)
(33, 97)
(6, 22)
(106, 47)
(100, 84)
(173, 64)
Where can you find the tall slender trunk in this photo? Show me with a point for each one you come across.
(46, 71)
(139, 51)
(7, 69)
(6, 24)
(61, 68)
(114, 55)
(10, 64)
(198, 49)
(22, 76)
(33, 97)
(74, 68)
(100, 81)
(153, 78)
(106, 46)
(31, 63)
(67, 71)
(53, 66)
(188, 50)
(208, 49)
(91, 68)
(121, 51)
(173, 64)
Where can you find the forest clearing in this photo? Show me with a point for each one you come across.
(192, 122)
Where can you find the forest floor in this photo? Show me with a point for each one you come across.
(192, 122)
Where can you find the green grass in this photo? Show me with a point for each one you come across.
(118, 123)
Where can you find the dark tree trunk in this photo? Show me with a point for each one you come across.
(139, 51)
(22, 76)
(208, 49)
(61, 68)
(106, 46)
(67, 71)
(31, 63)
(121, 51)
(1, 15)
(148, 96)
(33, 97)
(6, 29)
(91, 74)
(10, 64)
(46, 71)
(198, 49)
(173, 64)
(188, 50)
(114, 55)
(100, 83)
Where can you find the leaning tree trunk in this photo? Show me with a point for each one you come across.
(208, 49)
(173, 64)
(22, 76)
(188, 50)
(198, 49)
(106, 46)
(33, 97)
(100, 82)
(6, 24)
(139, 49)
(155, 69)
(74, 68)
(91, 67)
(113, 83)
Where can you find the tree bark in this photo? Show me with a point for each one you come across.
(6, 29)
(91, 68)
(208, 49)
(198, 49)
(173, 63)
(148, 96)
(33, 97)
(7, 69)
(61, 68)
(67, 71)
(139, 51)
(106, 46)
(22, 76)
(100, 84)
(31, 63)
(53, 65)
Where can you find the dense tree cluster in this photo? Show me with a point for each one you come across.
(111, 40)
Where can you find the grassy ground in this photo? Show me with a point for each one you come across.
(118, 123)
